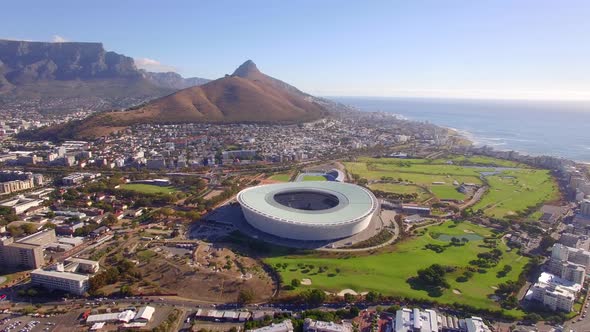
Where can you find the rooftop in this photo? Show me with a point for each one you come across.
(353, 202)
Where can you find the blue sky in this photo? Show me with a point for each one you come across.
(483, 48)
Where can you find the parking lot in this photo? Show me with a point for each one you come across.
(21, 323)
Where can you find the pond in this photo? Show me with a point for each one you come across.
(468, 236)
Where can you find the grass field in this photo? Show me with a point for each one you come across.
(148, 188)
(402, 189)
(314, 178)
(447, 192)
(282, 177)
(511, 191)
(387, 272)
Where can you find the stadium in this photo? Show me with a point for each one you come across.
(308, 211)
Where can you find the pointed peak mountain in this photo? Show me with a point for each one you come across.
(246, 70)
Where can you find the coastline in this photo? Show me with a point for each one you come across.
(533, 128)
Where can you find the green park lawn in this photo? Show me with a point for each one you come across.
(511, 192)
(388, 273)
(314, 178)
(401, 189)
(148, 188)
(447, 192)
(282, 177)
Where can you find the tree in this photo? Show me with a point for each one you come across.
(433, 276)
(349, 298)
(372, 296)
(125, 290)
(32, 292)
(313, 297)
(110, 220)
(532, 317)
(295, 283)
(245, 296)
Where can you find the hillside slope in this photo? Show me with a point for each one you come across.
(245, 96)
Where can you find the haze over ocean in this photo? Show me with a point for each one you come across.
(556, 128)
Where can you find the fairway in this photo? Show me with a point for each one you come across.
(148, 188)
(513, 187)
(513, 191)
(401, 189)
(281, 177)
(447, 192)
(387, 272)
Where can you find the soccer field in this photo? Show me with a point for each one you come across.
(148, 188)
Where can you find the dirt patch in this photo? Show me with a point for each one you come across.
(212, 194)
(494, 287)
(456, 291)
(306, 282)
(209, 272)
(468, 231)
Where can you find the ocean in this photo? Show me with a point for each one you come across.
(552, 128)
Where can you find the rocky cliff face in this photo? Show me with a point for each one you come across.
(26, 62)
(65, 77)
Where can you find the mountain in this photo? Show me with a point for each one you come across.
(76, 71)
(245, 96)
(172, 80)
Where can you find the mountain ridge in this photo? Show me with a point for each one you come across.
(247, 96)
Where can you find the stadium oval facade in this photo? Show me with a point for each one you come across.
(321, 210)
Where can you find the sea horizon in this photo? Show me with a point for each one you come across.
(533, 127)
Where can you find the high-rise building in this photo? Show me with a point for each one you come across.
(26, 252)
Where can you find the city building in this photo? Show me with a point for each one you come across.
(585, 207)
(240, 154)
(72, 276)
(310, 325)
(555, 293)
(20, 204)
(309, 210)
(66, 281)
(284, 326)
(14, 181)
(415, 320)
(571, 240)
(562, 253)
(144, 314)
(27, 252)
(476, 324)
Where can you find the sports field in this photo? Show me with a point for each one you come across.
(148, 188)
(387, 273)
(513, 187)
(282, 177)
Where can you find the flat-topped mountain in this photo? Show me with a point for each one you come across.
(247, 95)
(72, 73)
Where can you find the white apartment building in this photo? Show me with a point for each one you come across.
(415, 320)
(310, 325)
(66, 281)
(284, 326)
(476, 324)
(554, 292)
(559, 252)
